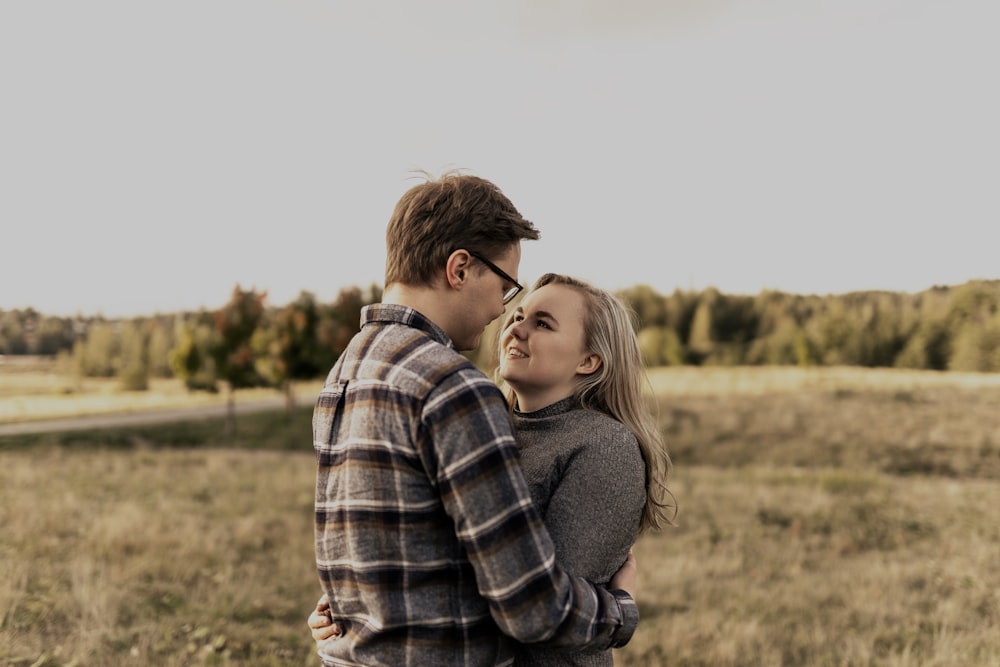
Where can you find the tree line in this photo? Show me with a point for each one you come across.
(942, 328)
(248, 343)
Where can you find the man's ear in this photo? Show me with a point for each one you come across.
(590, 364)
(456, 269)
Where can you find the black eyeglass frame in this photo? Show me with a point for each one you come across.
(509, 295)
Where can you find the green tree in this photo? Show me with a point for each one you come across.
(977, 347)
(235, 362)
(785, 345)
(649, 306)
(971, 316)
(161, 341)
(96, 355)
(681, 307)
(12, 339)
(289, 347)
(929, 347)
(701, 344)
(340, 320)
(661, 346)
(53, 335)
(975, 301)
(721, 328)
(192, 358)
(133, 372)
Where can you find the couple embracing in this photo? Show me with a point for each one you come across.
(466, 521)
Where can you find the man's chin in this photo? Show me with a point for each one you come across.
(465, 345)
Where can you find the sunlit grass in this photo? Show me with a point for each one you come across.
(827, 517)
(772, 566)
(753, 380)
(156, 557)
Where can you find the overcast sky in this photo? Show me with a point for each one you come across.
(155, 154)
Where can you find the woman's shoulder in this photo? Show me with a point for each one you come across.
(603, 437)
(603, 425)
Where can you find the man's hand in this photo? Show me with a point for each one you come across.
(321, 623)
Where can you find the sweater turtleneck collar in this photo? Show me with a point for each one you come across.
(558, 408)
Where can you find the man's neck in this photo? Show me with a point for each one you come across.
(419, 298)
(428, 301)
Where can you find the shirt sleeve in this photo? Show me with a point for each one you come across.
(472, 455)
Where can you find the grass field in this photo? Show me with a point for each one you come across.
(827, 517)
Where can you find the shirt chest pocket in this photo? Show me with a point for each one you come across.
(328, 418)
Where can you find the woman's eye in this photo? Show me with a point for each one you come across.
(544, 324)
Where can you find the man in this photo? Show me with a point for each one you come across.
(427, 542)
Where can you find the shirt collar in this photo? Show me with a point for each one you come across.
(392, 313)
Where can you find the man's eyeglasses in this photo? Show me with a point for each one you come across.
(510, 293)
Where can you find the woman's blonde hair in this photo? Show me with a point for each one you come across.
(616, 388)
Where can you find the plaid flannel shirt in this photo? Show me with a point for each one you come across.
(427, 542)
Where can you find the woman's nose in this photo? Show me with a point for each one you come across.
(509, 333)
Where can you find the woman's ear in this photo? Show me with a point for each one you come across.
(590, 364)
(456, 269)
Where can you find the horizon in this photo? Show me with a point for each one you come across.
(270, 303)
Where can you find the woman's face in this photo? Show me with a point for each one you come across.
(542, 349)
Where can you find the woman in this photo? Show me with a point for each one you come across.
(570, 366)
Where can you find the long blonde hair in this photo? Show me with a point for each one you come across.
(616, 388)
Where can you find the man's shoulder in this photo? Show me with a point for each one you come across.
(415, 361)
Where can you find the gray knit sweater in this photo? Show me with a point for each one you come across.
(587, 478)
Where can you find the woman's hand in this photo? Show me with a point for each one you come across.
(321, 622)
(625, 579)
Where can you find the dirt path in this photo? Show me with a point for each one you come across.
(135, 418)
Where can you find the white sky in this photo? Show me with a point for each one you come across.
(155, 154)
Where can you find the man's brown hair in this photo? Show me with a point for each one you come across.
(439, 216)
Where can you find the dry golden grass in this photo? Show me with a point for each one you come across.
(828, 517)
(835, 517)
(757, 380)
(776, 566)
(155, 557)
